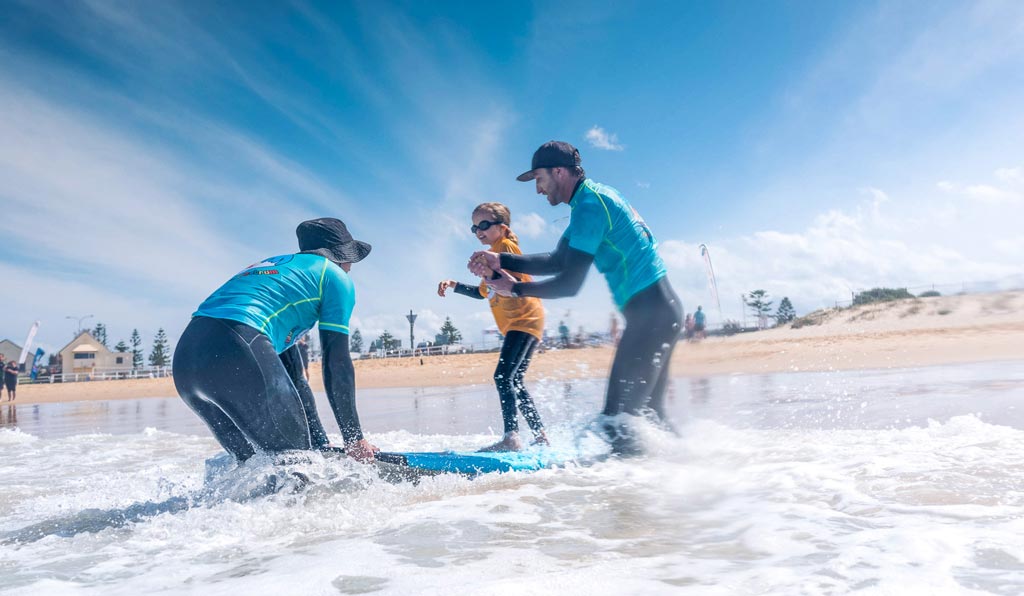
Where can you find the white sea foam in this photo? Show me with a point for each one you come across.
(929, 508)
(14, 436)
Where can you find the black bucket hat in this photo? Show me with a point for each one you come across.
(553, 154)
(329, 237)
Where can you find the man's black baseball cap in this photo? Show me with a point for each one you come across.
(553, 154)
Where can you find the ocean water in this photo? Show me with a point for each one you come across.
(875, 482)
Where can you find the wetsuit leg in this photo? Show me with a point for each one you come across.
(523, 397)
(640, 370)
(516, 347)
(295, 366)
(657, 402)
(222, 427)
(232, 368)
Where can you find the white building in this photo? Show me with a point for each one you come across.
(10, 350)
(85, 354)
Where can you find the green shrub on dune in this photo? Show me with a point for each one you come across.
(881, 295)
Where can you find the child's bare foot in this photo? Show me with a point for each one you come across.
(509, 442)
(540, 439)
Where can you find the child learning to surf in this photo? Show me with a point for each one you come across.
(520, 321)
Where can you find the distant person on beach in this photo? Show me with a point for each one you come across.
(227, 366)
(688, 326)
(563, 333)
(698, 324)
(604, 230)
(520, 321)
(11, 379)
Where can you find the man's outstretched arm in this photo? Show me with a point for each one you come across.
(340, 383)
(548, 263)
(567, 282)
(485, 262)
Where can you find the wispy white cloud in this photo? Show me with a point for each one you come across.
(990, 194)
(530, 225)
(112, 210)
(845, 251)
(121, 198)
(48, 296)
(167, 200)
(1009, 189)
(601, 139)
(1011, 175)
(895, 103)
(148, 179)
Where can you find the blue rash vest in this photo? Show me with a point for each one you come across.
(283, 297)
(603, 224)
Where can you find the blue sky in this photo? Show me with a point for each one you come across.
(148, 151)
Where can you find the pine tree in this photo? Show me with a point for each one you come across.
(759, 303)
(386, 341)
(100, 333)
(355, 343)
(121, 347)
(450, 333)
(160, 355)
(786, 311)
(136, 341)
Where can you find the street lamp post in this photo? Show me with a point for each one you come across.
(79, 319)
(412, 320)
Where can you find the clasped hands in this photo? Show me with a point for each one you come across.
(487, 265)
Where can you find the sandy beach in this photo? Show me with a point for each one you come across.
(906, 333)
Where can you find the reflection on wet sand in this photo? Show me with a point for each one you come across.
(419, 410)
(8, 416)
(700, 390)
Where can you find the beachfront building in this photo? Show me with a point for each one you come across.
(10, 350)
(85, 354)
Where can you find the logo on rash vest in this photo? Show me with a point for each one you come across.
(260, 268)
(641, 226)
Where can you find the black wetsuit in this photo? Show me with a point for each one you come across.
(231, 376)
(637, 382)
(513, 362)
(653, 324)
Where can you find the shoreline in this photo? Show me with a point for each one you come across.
(902, 334)
(893, 335)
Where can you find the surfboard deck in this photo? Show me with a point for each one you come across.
(473, 463)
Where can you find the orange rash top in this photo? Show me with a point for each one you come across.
(515, 314)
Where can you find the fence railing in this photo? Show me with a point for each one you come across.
(99, 374)
(427, 351)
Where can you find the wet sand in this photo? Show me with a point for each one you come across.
(906, 333)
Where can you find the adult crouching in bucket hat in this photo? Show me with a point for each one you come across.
(237, 364)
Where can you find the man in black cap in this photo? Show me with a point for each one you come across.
(237, 366)
(606, 231)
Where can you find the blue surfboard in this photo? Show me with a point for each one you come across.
(473, 463)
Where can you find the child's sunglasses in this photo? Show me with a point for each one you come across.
(485, 225)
